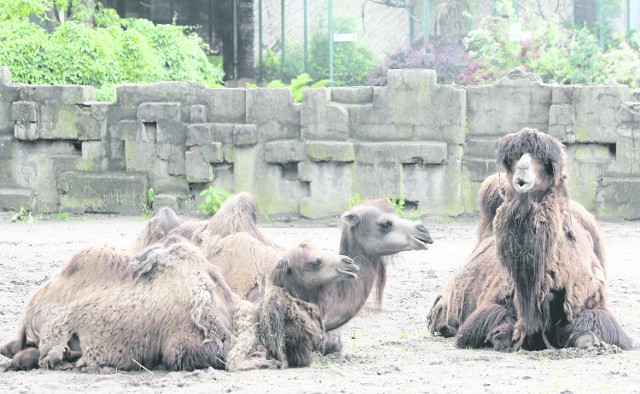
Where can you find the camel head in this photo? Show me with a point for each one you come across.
(534, 161)
(305, 270)
(380, 232)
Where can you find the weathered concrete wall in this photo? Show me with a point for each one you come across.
(431, 144)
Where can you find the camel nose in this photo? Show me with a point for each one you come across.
(425, 237)
(348, 261)
(520, 181)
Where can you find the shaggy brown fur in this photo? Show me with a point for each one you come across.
(158, 226)
(290, 317)
(166, 306)
(551, 252)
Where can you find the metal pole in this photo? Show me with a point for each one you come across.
(330, 42)
(260, 60)
(628, 16)
(235, 39)
(425, 22)
(411, 26)
(514, 3)
(283, 49)
(306, 11)
(601, 24)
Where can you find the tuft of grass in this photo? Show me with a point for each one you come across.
(24, 215)
(62, 216)
(147, 208)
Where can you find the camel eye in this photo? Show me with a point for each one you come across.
(315, 264)
(386, 224)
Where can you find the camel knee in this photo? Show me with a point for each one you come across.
(332, 343)
(25, 360)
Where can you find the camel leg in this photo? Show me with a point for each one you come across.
(592, 326)
(332, 343)
(186, 352)
(438, 320)
(489, 325)
(24, 360)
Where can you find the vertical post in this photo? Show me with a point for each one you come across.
(330, 42)
(210, 24)
(260, 60)
(282, 37)
(601, 24)
(628, 17)
(306, 62)
(235, 38)
(425, 22)
(514, 3)
(412, 33)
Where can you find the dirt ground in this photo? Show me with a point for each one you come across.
(387, 351)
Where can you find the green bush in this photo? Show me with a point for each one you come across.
(114, 51)
(352, 62)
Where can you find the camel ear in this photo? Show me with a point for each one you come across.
(283, 266)
(351, 218)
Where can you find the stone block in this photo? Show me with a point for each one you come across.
(198, 114)
(376, 180)
(24, 111)
(88, 126)
(103, 192)
(352, 95)
(402, 152)
(205, 133)
(320, 119)
(330, 151)
(228, 105)
(8, 95)
(171, 132)
(14, 199)
(596, 111)
(59, 121)
(481, 147)
(304, 171)
(126, 129)
(586, 163)
(478, 169)
(504, 108)
(212, 152)
(273, 113)
(26, 131)
(177, 161)
(197, 169)
(57, 95)
(286, 151)
(93, 156)
(157, 112)
(329, 189)
(245, 134)
(618, 198)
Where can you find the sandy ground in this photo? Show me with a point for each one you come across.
(387, 351)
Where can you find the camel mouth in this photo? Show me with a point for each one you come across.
(346, 272)
(522, 186)
(422, 242)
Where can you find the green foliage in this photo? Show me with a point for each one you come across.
(352, 60)
(297, 86)
(62, 216)
(354, 201)
(402, 211)
(115, 51)
(547, 48)
(213, 198)
(21, 9)
(24, 215)
(146, 208)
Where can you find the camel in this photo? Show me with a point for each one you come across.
(372, 233)
(541, 263)
(108, 310)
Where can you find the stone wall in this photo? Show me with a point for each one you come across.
(432, 144)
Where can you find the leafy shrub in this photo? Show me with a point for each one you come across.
(298, 85)
(114, 51)
(351, 65)
(449, 61)
(213, 198)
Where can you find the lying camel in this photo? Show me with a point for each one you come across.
(372, 234)
(108, 310)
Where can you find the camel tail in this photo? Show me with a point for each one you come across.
(603, 324)
(483, 325)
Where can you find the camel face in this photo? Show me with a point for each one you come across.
(312, 267)
(385, 234)
(527, 175)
